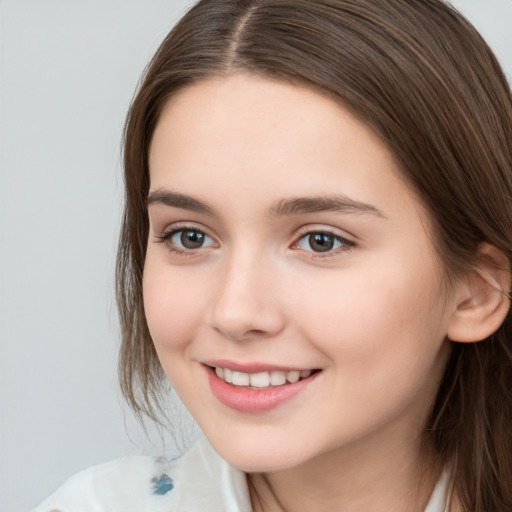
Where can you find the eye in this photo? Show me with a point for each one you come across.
(187, 239)
(322, 242)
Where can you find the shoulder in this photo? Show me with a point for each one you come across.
(197, 481)
(122, 484)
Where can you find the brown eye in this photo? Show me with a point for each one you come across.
(320, 242)
(188, 239)
(191, 239)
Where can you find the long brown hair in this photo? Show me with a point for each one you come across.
(421, 76)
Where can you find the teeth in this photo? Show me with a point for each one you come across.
(261, 379)
(293, 376)
(277, 378)
(240, 379)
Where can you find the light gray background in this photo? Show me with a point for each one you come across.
(68, 69)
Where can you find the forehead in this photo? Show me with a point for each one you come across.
(245, 135)
(253, 105)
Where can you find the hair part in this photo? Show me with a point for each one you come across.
(424, 80)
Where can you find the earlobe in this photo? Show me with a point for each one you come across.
(483, 297)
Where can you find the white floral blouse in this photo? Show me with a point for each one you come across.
(199, 481)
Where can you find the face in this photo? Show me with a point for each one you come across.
(291, 287)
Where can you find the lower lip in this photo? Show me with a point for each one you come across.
(254, 400)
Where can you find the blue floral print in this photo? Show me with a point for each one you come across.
(162, 484)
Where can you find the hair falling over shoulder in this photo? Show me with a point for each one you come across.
(425, 81)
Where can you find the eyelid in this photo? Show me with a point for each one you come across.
(328, 230)
(347, 242)
(170, 231)
(174, 227)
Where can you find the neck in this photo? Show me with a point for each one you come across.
(375, 478)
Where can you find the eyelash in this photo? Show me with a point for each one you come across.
(345, 244)
(166, 238)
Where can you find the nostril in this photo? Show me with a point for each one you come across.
(241, 334)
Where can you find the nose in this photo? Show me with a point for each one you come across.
(246, 304)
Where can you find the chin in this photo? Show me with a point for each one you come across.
(258, 456)
(259, 464)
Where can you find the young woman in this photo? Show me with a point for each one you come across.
(316, 254)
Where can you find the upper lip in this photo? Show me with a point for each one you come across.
(255, 367)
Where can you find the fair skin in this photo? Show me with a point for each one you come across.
(348, 287)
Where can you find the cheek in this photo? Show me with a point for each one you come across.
(173, 304)
(377, 324)
(384, 356)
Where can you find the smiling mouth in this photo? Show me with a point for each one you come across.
(262, 380)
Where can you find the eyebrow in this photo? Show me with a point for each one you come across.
(334, 203)
(176, 200)
(283, 207)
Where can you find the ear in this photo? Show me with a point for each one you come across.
(483, 297)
